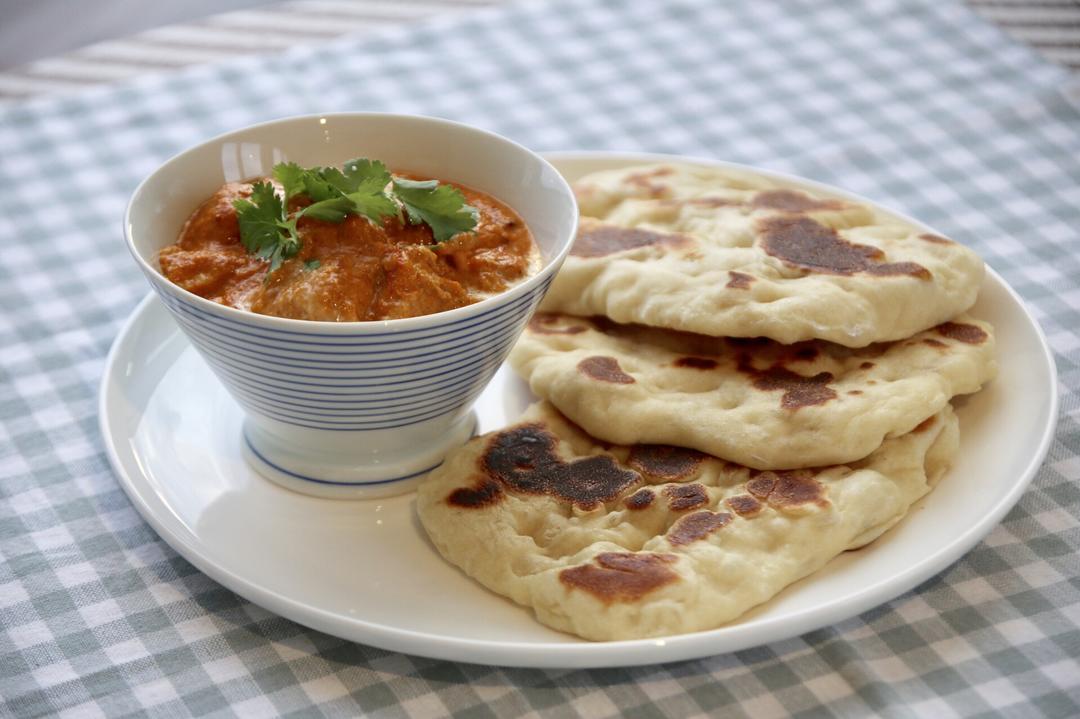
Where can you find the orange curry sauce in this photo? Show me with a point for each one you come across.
(365, 271)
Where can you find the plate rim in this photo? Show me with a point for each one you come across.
(580, 653)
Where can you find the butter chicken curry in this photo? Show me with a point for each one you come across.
(355, 265)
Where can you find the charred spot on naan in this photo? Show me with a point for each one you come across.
(931, 342)
(604, 369)
(683, 497)
(697, 526)
(547, 323)
(522, 459)
(802, 352)
(600, 240)
(755, 344)
(702, 363)
(962, 332)
(780, 354)
(484, 494)
(786, 489)
(665, 462)
(744, 505)
(644, 182)
(621, 576)
(641, 499)
(739, 280)
(794, 201)
(804, 243)
(798, 390)
(935, 239)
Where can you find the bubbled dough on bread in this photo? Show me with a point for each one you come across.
(727, 253)
(615, 542)
(755, 402)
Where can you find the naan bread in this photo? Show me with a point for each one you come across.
(755, 402)
(728, 253)
(646, 541)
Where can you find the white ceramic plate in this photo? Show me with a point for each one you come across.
(365, 571)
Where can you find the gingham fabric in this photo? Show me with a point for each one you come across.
(263, 27)
(917, 103)
(1051, 26)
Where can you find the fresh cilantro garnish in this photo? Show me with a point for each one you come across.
(359, 190)
(291, 177)
(362, 187)
(265, 230)
(441, 207)
(312, 264)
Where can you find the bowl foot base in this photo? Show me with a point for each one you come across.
(366, 472)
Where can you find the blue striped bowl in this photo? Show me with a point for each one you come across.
(354, 409)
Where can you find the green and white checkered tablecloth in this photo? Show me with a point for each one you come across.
(916, 103)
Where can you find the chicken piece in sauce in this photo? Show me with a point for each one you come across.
(352, 271)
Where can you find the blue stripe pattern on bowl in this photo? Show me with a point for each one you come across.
(250, 446)
(381, 380)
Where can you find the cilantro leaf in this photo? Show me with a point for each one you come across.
(288, 245)
(375, 207)
(291, 177)
(441, 207)
(334, 209)
(364, 183)
(312, 264)
(318, 188)
(364, 176)
(260, 218)
(265, 231)
(359, 190)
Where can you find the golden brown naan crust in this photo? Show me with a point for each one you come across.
(616, 542)
(755, 402)
(733, 254)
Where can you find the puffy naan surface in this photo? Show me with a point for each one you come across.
(729, 253)
(752, 401)
(616, 542)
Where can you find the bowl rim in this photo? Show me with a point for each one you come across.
(359, 327)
